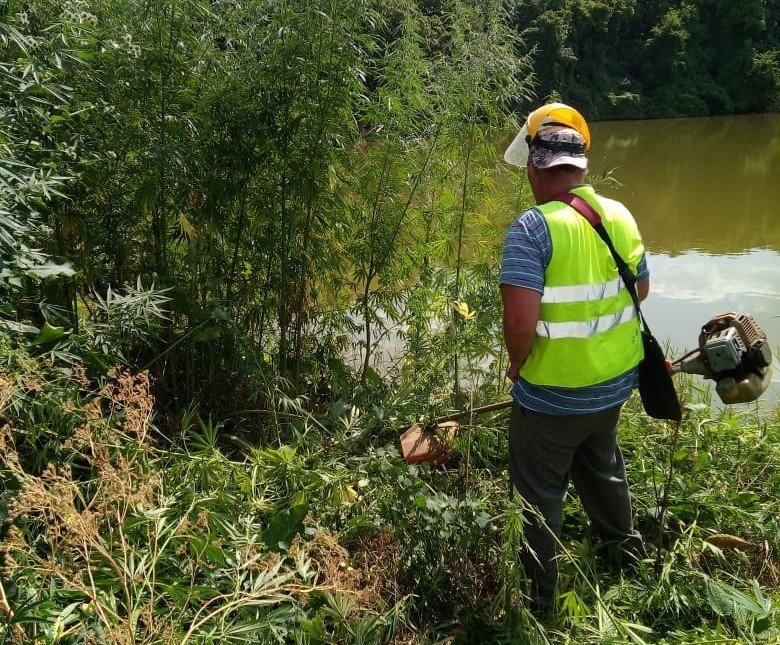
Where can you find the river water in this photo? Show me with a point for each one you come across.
(706, 195)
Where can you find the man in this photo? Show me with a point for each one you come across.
(574, 344)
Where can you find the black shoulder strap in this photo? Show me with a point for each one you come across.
(588, 212)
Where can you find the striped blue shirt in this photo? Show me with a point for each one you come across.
(527, 252)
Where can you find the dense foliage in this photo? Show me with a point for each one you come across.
(263, 162)
(265, 212)
(638, 58)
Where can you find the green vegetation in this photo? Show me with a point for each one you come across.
(324, 535)
(241, 246)
(633, 58)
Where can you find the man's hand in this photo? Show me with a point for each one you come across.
(642, 289)
(521, 313)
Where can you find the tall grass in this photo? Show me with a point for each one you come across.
(330, 537)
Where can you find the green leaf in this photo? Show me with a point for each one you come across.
(52, 269)
(17, 327)
(48, 334)
(284, 526)
(720, 601)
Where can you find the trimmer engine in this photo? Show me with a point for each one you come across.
(734, 352)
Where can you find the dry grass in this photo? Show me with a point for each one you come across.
(80, 519)
(70, 527)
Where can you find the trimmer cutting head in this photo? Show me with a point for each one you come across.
(734, 352)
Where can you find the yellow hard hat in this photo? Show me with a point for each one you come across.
(558, 113)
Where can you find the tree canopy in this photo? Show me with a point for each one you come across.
(632, 58)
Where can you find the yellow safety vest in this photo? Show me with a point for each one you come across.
(588, 331)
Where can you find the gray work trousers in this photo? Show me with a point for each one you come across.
(545, 451)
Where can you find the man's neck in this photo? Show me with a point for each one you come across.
(557, 185)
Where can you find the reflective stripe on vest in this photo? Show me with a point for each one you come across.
(582, 292)
(587, 328)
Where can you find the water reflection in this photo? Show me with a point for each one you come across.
(691, 288)
(706, 184)
(705, 194)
